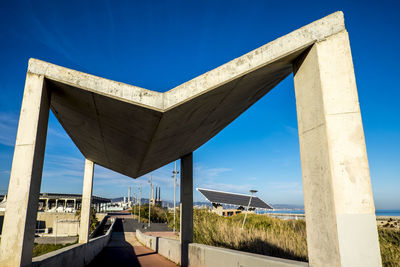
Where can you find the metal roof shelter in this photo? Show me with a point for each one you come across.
(221, 197)
(133, 131)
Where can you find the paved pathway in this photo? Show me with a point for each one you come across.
(124, 250)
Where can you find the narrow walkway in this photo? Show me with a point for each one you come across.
(124, 250)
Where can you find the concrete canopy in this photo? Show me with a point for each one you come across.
(133, 131)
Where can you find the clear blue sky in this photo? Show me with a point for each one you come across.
(161, 44)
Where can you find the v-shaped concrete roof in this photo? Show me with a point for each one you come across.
(133, 131)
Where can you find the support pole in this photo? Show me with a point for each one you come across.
(26, 175)
(150, 198)
(86, 202)
(186, 209)
(140, 200)
(175, 172)
(339, 206)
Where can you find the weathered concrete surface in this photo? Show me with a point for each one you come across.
(66, 228)
(186, 209)
(86, 202)
(339, 206)
(208, 256)
(48, 219)
(133, 131)
(77, 255)
(169, 248)
(26, 175)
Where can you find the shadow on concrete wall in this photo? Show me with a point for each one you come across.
(1, 223)
(263, 247)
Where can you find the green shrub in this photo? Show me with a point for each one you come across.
(271, 236)
(158, 214)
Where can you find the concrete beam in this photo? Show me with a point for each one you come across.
(186, 209)
(134, 131)
(26, 175)
(86, 202)
(339, 206)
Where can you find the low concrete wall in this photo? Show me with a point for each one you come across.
(48, 219)
(76, 255)
(149, 241)
(208, 256)
(66, 228)
(169, 248)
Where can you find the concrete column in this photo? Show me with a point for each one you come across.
(340, 212)
(186, 209)
(26, 175)
(86, 202)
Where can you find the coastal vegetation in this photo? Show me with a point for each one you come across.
(389, 240)
(261, 234)
(274, 237)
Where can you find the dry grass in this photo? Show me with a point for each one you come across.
(389, 240)
(40, 249)
(274, 237)
(261, 234)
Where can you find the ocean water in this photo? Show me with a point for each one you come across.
(387, 212)
(377, 212)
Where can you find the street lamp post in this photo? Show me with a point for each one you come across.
(151, 190)
(251, 196)
(140, 200)
(134, 201)
(55, 240)
(175, 172)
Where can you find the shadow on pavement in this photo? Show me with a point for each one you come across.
(118, 252)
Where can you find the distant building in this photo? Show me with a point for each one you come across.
(58, 202)
(219, 209)
(156, 201)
